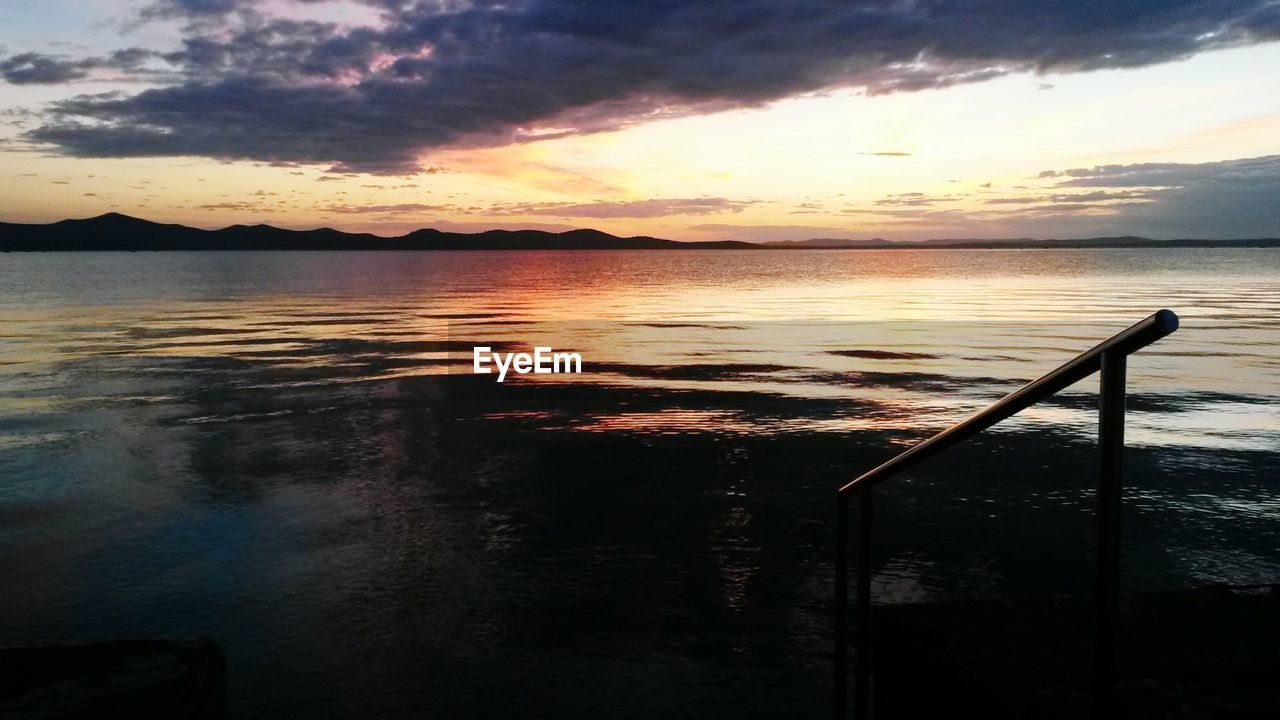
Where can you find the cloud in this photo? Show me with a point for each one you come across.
(913, 199)
(1026, 200)
(657, 207)
(1099, 196)
(391, 226)
(215, 9)
(1222, 199)
(483, 226)
(375, 97)
(1226, 198)
(40, 69)
(387, 209)
(1067, 198)
(181, 8)
(37, 68)
(240, 206)
(1169, 174)
(772, 233)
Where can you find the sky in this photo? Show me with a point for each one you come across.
(733, 119)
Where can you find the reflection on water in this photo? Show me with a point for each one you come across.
(286, 452)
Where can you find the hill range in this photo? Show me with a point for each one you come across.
(117, 232)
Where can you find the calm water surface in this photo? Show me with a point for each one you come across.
(287, 453)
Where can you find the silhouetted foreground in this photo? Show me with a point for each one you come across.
(140, 679)
(114, 231)
(288, 453)
(1207, 653)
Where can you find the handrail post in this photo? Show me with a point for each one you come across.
(1107, 599)
(1108, 357)
(841, 678)
(862, 656)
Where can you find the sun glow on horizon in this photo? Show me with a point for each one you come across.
(972, 160)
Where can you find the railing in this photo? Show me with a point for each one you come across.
(1109, 358)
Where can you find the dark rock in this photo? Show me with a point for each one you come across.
(140, 679)
(1213, 652)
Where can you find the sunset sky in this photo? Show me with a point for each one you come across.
(745, 119)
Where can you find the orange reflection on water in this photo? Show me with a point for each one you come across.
(912, 339)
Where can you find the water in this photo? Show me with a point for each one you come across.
(287, 453)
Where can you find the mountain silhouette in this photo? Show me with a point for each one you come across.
(114, 231)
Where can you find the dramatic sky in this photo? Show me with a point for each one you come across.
(751, 119)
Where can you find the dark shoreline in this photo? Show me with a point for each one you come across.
(114, 232)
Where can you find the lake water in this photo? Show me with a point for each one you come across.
(288, 453)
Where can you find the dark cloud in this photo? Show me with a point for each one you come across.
(435, 74)
(1067, 198)
(196, 7)
(203, 9)
(40, 69)
(1099, 196)
(1222, 199)
(1225, 172)
(1227, 198)
(190, 8)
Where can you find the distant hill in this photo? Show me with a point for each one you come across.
(114, 231)
(1126, 241)
(828, 243)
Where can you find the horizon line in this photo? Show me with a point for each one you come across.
(800, 243)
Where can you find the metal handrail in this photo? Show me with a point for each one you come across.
(1108, 357)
